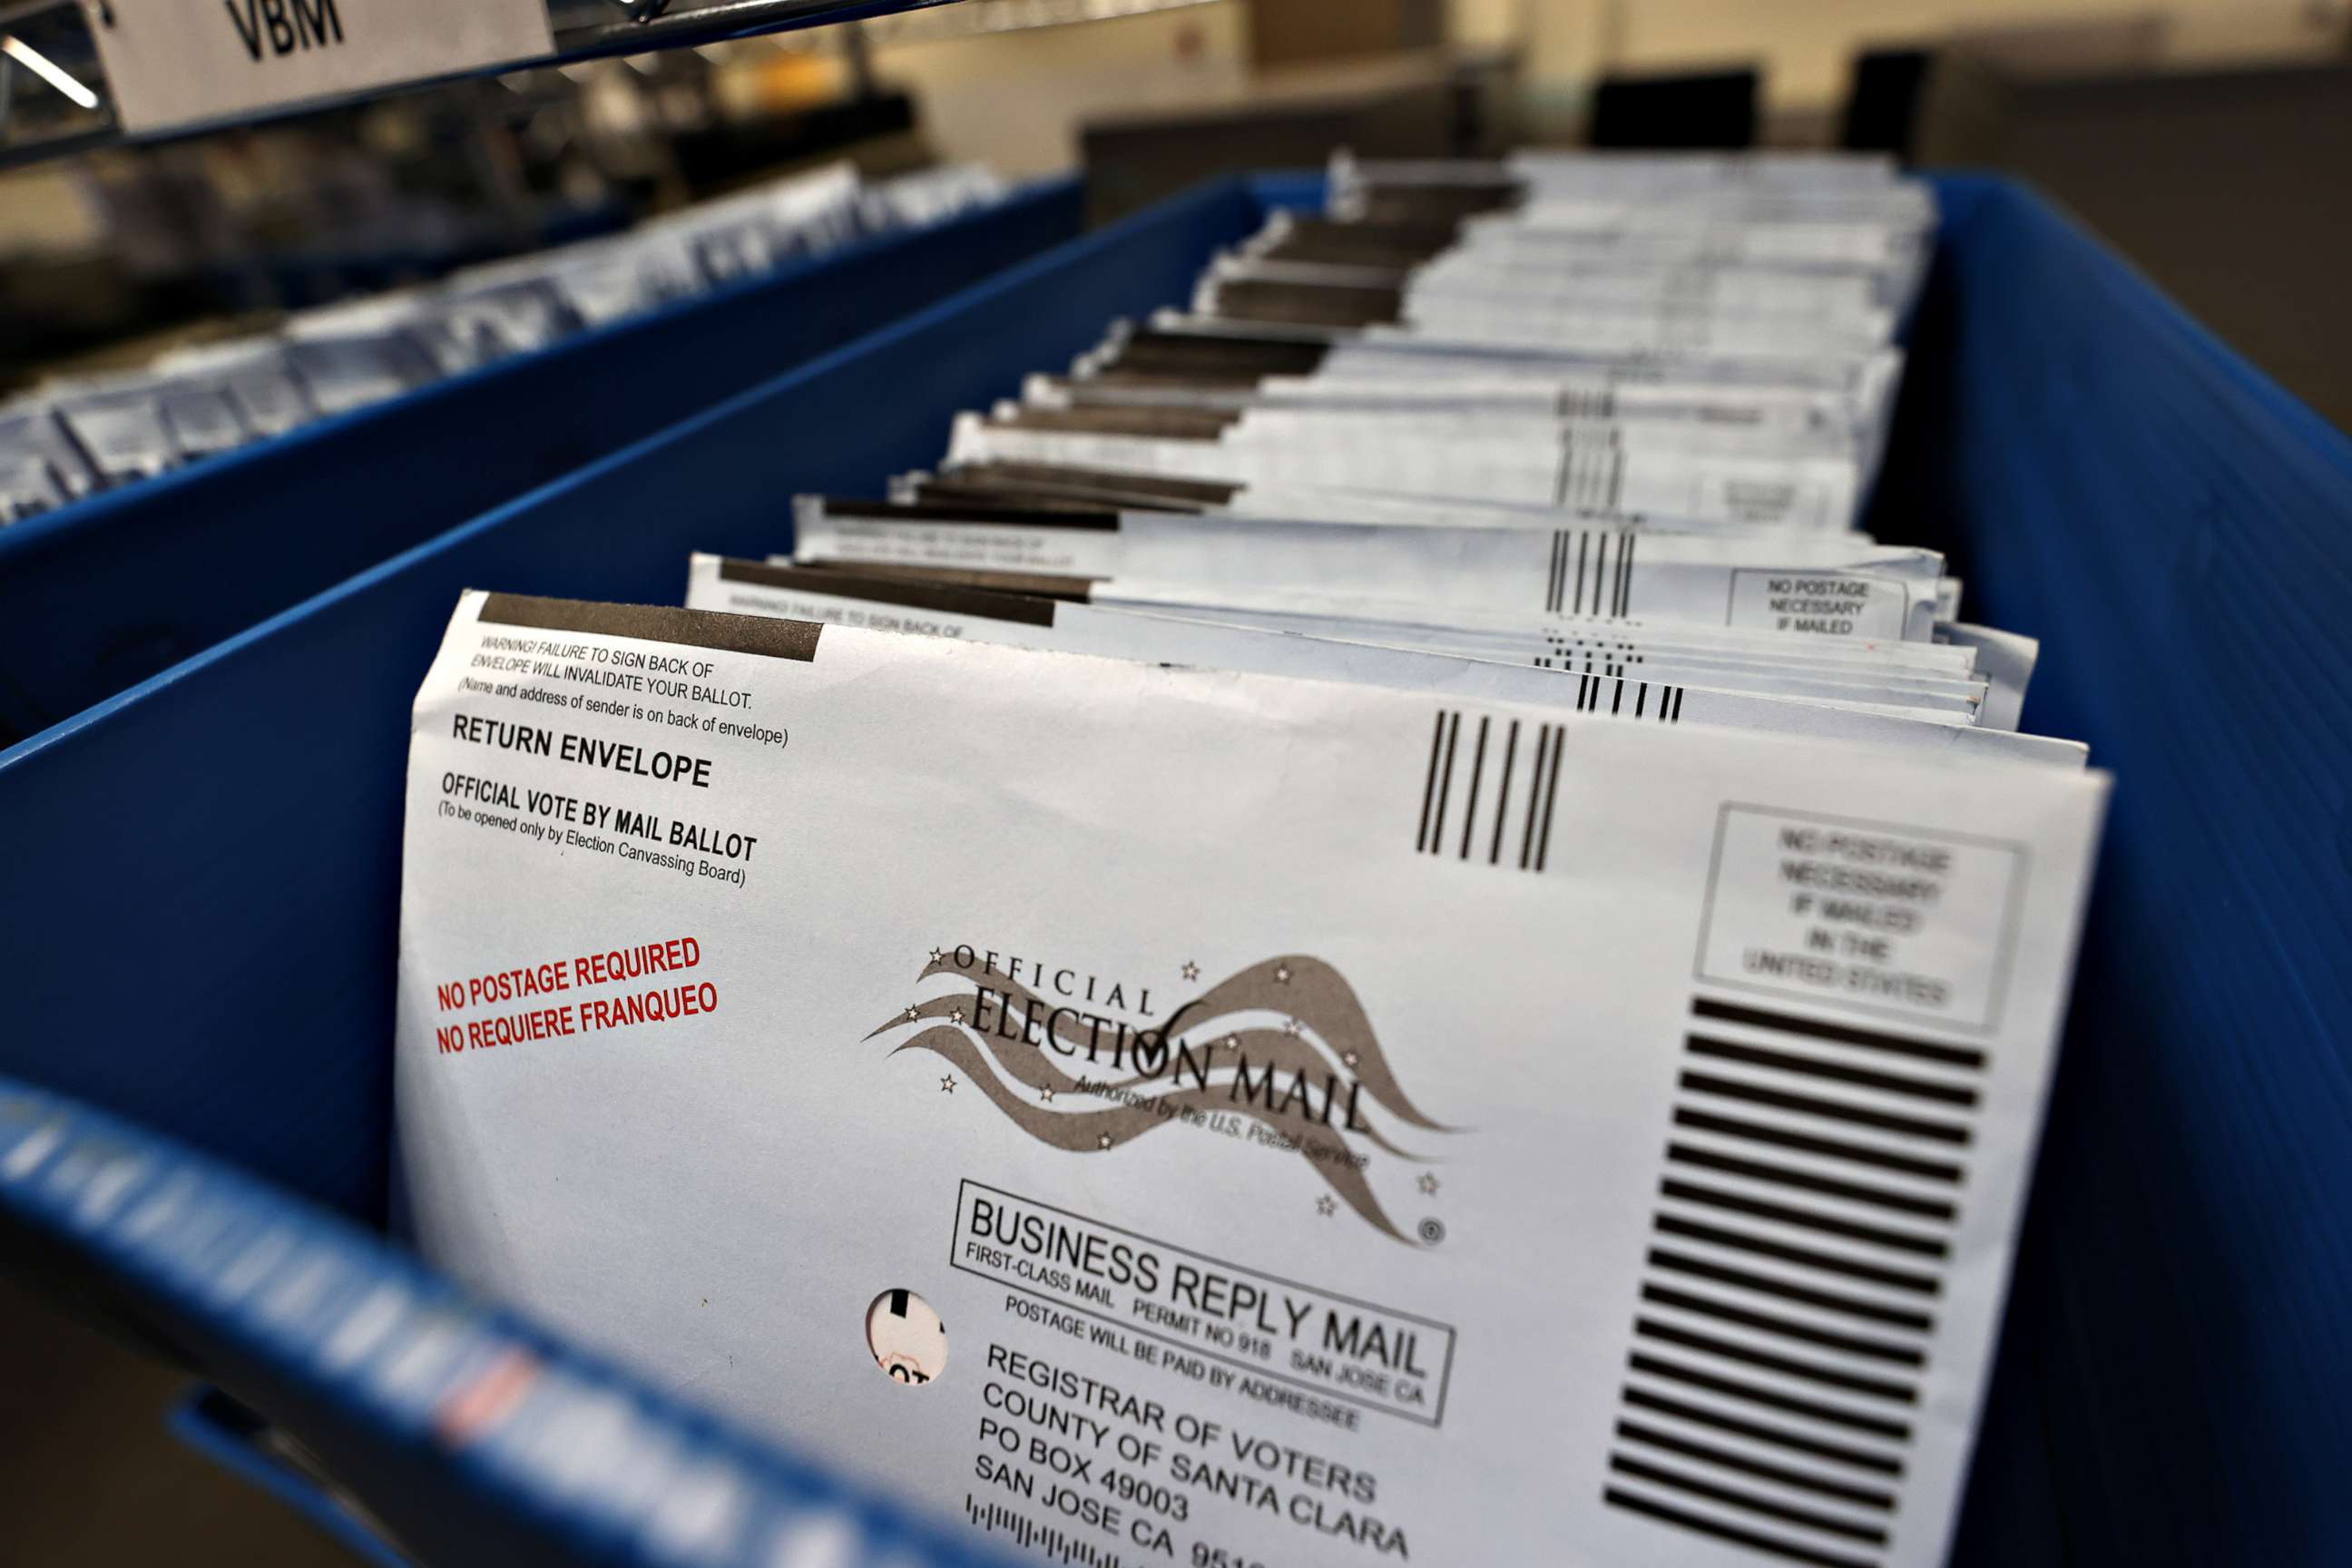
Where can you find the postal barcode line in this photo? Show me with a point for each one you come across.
(1759, 1307)
(1591, 474)
(1780, 1137)
(1543, 784)
(1859, 1460)
(1493, 787)
(1477, 777)
(1770, 1398)
(1787, 1366)
(1837, 1072)
(1593, 691)
(1808, 1181)
(1642, 1470)
(1502, 800)
(1736, 1240)
(1573, 403)
(1838, 1034)
(1590, 573)
(1699, 1304)
(1043, 1539)
(1725, 1459)
(1902, 1241)
(1617, 1497)
(1568, 643)
(1828, 1109)
(1477, 768)
(1668, 1261)
(1610, 665)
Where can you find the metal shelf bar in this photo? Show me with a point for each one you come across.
(54, 96)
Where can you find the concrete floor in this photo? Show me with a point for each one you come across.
(90, 1475)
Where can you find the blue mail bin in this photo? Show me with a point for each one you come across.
(201, 910)
(101, 595)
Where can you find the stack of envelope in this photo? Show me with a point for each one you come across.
(1368, 929)
(1621, 427)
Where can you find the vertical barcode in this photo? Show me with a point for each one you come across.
(1486, 788)
(1592, 473)
(1598, 405)
(1590, 573)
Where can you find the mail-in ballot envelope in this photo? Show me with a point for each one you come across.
(1180, 1116)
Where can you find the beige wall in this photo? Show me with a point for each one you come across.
(47, 208)
(1014, 101)
(1806, 46)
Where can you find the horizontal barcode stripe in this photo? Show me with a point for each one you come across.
(1760, 1431)
(1829, 1225)
(1731, 1350)
(1765, 1285)
(1732, 1388)
(1829, 1148)
(1894, 1280)
(1731, 1497)
(1706, 1452)
(1634, 1502)
(1843, 1034)
(1837, 1072)
(1796, 1191)
(1788, 1328)
(1827, 1186)
(1834, 1110)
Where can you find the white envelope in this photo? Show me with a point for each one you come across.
(1803, 585)
(1616, 472)
(1153, 1114)
(1633, 687)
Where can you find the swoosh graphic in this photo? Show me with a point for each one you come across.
(1333, 1028)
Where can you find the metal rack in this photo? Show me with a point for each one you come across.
(56, 98)
(973, 17)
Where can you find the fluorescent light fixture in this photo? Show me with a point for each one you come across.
(41, 66)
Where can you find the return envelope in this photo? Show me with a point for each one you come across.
(1154, 1113)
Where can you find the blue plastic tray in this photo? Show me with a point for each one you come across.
(201, 905)
(107, 592)
(466, 1436)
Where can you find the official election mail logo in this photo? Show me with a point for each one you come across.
(1280, 1054)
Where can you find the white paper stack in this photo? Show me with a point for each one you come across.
(1340, 943)
(1313, 474)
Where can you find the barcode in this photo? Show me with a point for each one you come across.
(1602, 664)
(1592, 403)
(1042, 1538)
(1796, 1263)
(1488, 789)
(1591, 573)
(1591, 474)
